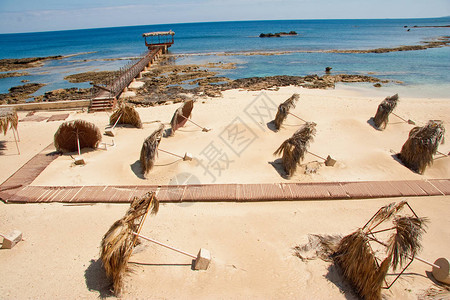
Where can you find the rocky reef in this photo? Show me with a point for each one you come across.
(92, 77)
(19, 94)
(11, 64)
(277, 34)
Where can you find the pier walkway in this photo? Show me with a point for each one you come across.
(105, 97)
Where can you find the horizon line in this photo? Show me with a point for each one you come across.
(227, 21)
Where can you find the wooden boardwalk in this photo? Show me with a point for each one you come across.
(29, 171)
(230, 192)
(105, 97)
(17, 189)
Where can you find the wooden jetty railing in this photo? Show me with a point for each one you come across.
(105, 97)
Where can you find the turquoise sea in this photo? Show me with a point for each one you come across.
(424, 73)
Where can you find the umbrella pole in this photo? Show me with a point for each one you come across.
(18, 137)
(316, 155)
(203, 128)
(406, 121)
(297, 117)
(15, 140)
(78, 144)
(164, 245)
(117, 121)
(170, 153)
(443, 153)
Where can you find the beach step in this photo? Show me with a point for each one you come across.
(102, 104)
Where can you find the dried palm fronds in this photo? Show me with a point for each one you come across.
(384, 109)
(322, 246)
(149, 149)
(295, 148)
(354, 254)
(66, 136)
(404, 243)
(357, 261)
(127, 114)
(383, 214)
(283, 110)
(181, 115)
(417, 152)
(118, 242)
(8, 119)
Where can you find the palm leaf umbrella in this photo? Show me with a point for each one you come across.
(418, 150)
(181, 115)
(9, 120)
(283, 110)
(384, 110)
(150, 150)
(359, 262)
(293, 149)
(118, 242)
(126, 114)
(70, 133)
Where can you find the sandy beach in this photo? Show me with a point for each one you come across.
(243, 141)
(251, 243)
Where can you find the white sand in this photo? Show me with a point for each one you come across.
(239, 148)
(251, 246)
(251, 243)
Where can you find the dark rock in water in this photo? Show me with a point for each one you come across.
(10, 64)
(100, 77)
(378, 85)
(269, 35)
(405, 26)
(328, 69)
(65, 94)
(18, 94)
(277, 34)
(13, 74)
(408, 30)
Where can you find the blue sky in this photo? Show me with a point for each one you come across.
(46, 15)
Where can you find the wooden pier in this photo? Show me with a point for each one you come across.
(106, 96)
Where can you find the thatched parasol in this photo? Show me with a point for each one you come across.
(360, 263)
(150, 149)
(384, 109)
(118, 243)
(283, 110)
(295, 148)
(181, 115)
(9, 120)
(69, 134)
(126, 114)
(417, 152)
(359, 266)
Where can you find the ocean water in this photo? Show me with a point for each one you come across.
(424, 73)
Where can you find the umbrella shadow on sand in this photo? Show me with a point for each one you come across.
(137, 169)
(277, 164)
(2, 147)
(335, 276)
(96, 279)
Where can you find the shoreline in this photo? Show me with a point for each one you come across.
(96, 77)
